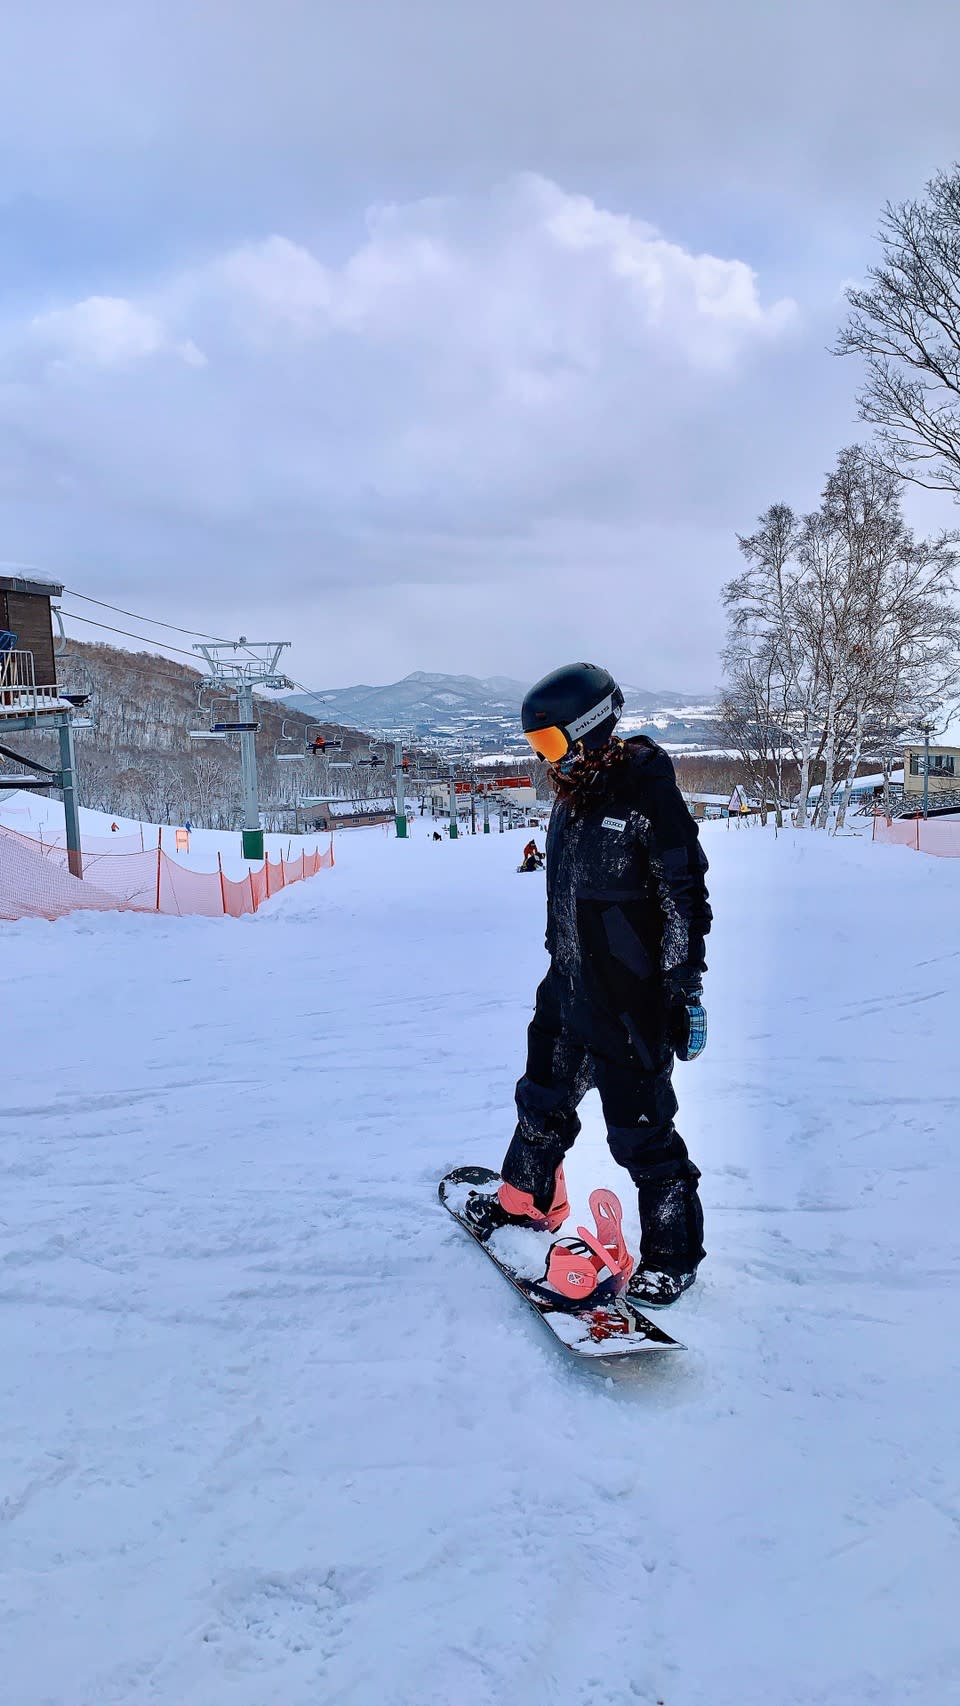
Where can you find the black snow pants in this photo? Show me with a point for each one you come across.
(568, 1055)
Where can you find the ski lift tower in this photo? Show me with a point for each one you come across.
(236, 667)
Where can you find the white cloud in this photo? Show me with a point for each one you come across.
(108, 331)
(277, 280)
(527, 270)
(473, 364)
(484, 387)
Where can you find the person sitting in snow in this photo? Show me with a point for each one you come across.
(532, 858)
(627, 914)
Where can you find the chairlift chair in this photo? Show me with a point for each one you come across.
(74, 681)
(287, 757)
(313, 733)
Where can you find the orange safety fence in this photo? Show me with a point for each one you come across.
(939, 836)
(35, 881)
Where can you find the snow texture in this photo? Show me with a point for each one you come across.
(276, 1434)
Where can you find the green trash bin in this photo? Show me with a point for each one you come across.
(252, 840)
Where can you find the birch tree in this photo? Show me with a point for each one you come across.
(841, 626)
(906, 325)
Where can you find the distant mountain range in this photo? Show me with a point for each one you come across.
(446, 711)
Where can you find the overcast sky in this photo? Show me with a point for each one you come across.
(440, 334)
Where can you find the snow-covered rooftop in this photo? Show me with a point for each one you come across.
(860, 783)
(348, 808)
(26, 572)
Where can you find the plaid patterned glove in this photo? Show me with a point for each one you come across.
(689, 1025)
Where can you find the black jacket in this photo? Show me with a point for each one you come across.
(627, 908)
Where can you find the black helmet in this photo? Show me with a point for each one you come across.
(579, 702)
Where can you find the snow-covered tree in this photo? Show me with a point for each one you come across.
(841, 625)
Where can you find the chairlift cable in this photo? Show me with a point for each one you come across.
(174, 627)
(145, 639)
(154, 621)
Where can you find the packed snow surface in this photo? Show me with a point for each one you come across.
(276, 1434)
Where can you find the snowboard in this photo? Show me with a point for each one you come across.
(612, 1329)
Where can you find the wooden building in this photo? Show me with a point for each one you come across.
(327, 814)
(26, 622)
(30, 698)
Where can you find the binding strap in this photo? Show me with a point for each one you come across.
(574, 1265)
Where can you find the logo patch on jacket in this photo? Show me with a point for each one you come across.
(614, 823)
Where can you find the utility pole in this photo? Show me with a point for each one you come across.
(926, 767)
(453, 802)
(65, 778)
(400, 780)
(68, 788)
(238, 666)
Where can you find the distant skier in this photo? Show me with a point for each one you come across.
(532, 858)
(627, 913)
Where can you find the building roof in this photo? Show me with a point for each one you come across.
(859, 782)
(349, 808)
(13, 578)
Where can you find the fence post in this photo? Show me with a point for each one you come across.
(223, 890)
(918, 834)
(253, 898)
(159, 859)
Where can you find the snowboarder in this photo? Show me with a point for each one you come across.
(532, 858)
(627, 913)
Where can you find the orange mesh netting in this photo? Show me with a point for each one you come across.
(940, 836)
(35, 881)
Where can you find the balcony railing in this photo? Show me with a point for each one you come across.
(20, 696)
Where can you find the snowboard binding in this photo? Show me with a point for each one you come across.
(486, 1212)
(594, 1267)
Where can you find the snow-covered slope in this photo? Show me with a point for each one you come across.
(275, 1434)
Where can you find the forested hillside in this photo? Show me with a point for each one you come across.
(138, 759)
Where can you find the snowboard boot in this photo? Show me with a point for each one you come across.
(509, 1206)
(656, 1289)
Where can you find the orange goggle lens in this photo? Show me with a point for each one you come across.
(550, 744)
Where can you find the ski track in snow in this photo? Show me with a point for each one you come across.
(274, 1432)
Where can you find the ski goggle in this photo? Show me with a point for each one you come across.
(549, 744)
